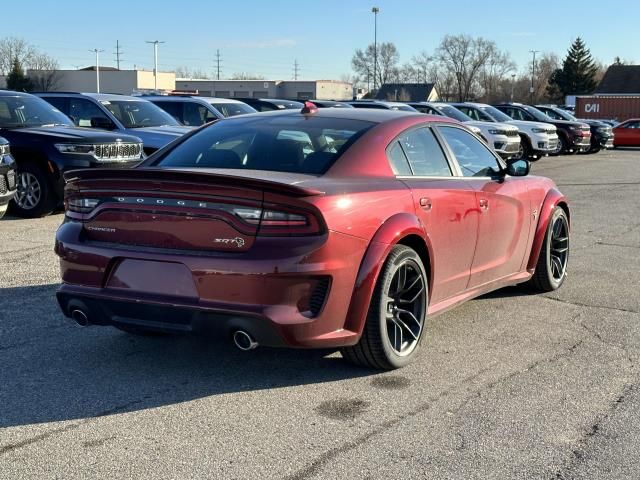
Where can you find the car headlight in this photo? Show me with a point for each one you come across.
(539, 130)
(76, 148)
(497, 132)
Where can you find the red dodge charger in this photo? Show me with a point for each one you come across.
(338, 228)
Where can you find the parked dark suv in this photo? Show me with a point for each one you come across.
(119, 114)
(601, 132)
(7, 176)
(45, 144)
(573, 137)
(195, 111)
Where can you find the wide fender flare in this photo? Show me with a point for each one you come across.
(553, 199)
(390, 233)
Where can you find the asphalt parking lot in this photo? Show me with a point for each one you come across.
(511, 385)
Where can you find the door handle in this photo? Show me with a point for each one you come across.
(425, 203)
(484, 204)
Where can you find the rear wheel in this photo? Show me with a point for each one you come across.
(551, 269)
(397, 314)
(34, 197)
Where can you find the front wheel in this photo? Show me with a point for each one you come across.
(397, 314)
(34, 197)
(561, 148)
(551, 269)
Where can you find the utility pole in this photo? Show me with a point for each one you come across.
(97, 52)
(533, 73)
(117, 53)
(296, 69)
(375, 11)
(218, 64)
(513, 82)
(155, 62)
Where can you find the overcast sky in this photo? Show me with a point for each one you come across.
(266, 37)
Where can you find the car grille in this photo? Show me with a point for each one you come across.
(11, 179)
(118, 151)
(511, 133)
(553, 143)
(3, 185)
(512, 147)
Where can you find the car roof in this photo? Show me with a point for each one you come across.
(369, 115)
(110, 97)
(380, 102)
(11, 93)
(183, 98)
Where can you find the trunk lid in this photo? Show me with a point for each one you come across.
(176, 209)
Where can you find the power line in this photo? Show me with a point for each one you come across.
(118, 54)
(296, 69)
(218, 64)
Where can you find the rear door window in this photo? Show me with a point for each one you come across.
(424, 153)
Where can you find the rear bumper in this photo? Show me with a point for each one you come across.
(285, 292)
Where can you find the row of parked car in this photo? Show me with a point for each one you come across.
(53, 132)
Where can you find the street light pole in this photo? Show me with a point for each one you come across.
(375, 11)
(513, 83)
(97, 52)
(155, 62)
(533, 73)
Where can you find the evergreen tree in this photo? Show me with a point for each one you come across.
(17, 80)
(578, 73)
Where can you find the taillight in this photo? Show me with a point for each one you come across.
(81, 204)
(275, 222)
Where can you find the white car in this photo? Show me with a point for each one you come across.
(503, 138)
(537, 138)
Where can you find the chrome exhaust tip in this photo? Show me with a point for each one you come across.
(244, 341)
(79, 317)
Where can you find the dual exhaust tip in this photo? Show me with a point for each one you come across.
(241, 339)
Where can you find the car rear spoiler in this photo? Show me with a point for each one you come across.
(191, 176)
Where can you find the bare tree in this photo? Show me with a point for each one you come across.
(246, 76)
(187, 72)
(43, 72)
(463, 57)
(387, 66)
(11, 49)
(494, 73)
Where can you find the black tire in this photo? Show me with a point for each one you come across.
(551, 272)
(375, 348)
(562, 147)
(524, 153)
(29, 203)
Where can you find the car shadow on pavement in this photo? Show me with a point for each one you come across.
(52, 370)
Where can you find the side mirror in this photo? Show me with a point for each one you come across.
(101, 122)
(518, 168)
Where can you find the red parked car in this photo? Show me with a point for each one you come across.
(310, 228)
(627, 134)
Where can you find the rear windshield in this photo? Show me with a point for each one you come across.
(282, 143)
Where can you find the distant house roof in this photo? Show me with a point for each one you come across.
(406, 92)
(92, 68)
(620, 79)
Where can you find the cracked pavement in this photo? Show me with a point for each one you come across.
(510, 385)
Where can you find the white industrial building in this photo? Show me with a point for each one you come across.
(293, 89)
